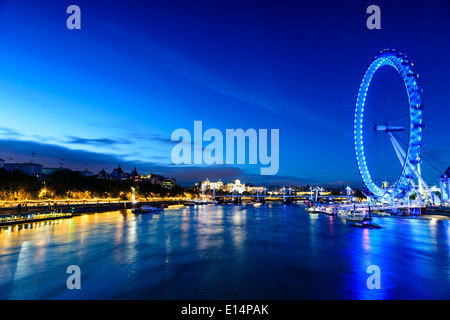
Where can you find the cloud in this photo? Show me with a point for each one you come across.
(151, 137)
(9, 133)
(50, 155)
(96, 142)
(168, 141)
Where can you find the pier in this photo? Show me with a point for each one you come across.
(20, 218)
(19, 212)
(334, 209)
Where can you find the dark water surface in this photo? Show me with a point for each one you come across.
(225, 252)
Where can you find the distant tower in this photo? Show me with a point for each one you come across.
(134, 174)
(117, 174)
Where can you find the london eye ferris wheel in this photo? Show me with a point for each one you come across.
(388, 126)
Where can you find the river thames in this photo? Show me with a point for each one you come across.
(225, 252)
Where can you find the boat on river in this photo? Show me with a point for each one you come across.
(351, 215)
(206, 201)
(325, 209)
(145, 209)
(369, 224)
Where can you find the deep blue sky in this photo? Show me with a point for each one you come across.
(115, 90)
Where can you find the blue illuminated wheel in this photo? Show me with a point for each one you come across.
(405, 157)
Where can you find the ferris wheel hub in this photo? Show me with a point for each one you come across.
(387, 128)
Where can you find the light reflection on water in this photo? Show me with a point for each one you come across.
(225, 252)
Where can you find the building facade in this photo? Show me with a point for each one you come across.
(32, 169)
(444, 184)
(47, 172)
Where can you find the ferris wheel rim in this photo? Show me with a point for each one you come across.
(403, 66)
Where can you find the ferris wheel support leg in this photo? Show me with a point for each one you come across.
(401, 156)
(418, 182)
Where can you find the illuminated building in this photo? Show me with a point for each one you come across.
(168, 183)
(444, 183)
(236, 186)
(47, 172)
(208, 185)
(135, 175)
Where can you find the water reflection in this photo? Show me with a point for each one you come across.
(225, 252)
(238, 229)
(131, 240)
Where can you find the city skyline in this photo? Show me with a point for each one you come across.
(222, 157)
(114, 91)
